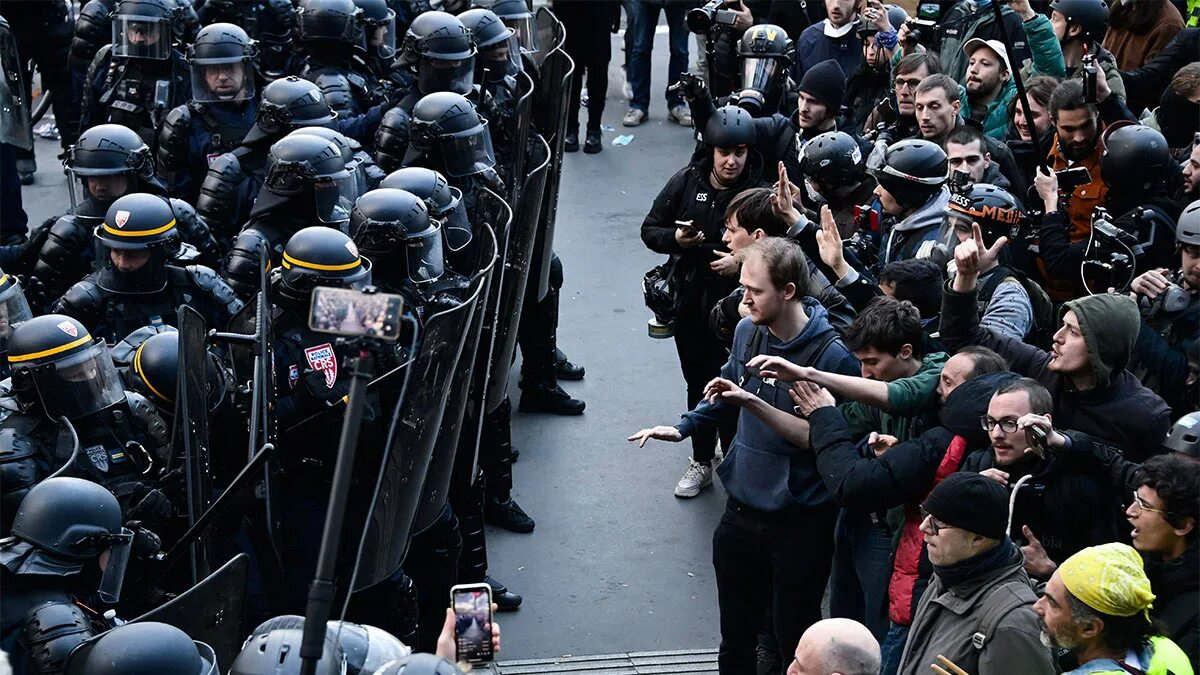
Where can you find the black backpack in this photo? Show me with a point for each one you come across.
(1045, 314)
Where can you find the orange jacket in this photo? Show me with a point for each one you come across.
(1083, 200)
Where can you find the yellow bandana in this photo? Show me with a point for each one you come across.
(1109, 579)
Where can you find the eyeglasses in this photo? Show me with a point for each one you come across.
(910, 83)
(934, 525)
(1143, 506)
(1007, 425)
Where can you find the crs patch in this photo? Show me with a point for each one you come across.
(293, 375)
(322, 358)
(98, 456)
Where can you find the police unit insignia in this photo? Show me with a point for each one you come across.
(68, 328)
(121, 218)
(293, 375)
(323, 359)
(98, 456)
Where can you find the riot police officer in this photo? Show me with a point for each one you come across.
(134, 285)
(334, 40)
(107, 162)
(306, 185)
(140, 76)
(499, 54)
(499, 67)
(448, 135)
(68, 546)
(443, 203)
(516, 15)
(379, 35)
(365, 173)
(439, 54)
(223, 63)
(269, 22)
(150, 647)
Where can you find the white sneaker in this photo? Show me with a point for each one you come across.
(697, 477)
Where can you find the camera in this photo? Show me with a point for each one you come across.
(351, 313)
(1110, 259)
(1090, 73)
(921, 31)
(713, 12)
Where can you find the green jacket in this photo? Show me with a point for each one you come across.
(1047, 60)
(908, 398)
(1164, 656)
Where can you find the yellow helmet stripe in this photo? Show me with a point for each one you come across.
(17, 358)
(137, 368)
(288, 261)
(139, 233)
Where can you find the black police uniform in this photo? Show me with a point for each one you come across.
(113, 303)
(269, 22)
(334, 42)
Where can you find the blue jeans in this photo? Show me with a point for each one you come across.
(861, 569)
(892, 649)
(644, 21)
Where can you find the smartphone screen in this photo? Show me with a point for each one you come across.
(343, 311)
(473, 622)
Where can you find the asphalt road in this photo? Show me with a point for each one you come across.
(617, 563)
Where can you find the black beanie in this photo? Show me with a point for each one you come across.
(972, 502)
(827, 83)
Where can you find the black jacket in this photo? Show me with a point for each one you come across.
(1144, 86)
(1176, 587)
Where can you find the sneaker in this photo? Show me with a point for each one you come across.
(591, 146)
(634, 117)
(626, 88)
(697, 477)
(681, 114)
(571, 142)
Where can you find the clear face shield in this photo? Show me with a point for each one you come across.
(141, 37)
(226, 82)
(759, 73)
(120, 546)
(14, 309)
(456, 229)
(424, 256)
(86, 185)
(501, 60)
(381, 36)
(956, 224)
(434, 75)
(468, 153)
(334, 196)
(525, 30)
(80, 384)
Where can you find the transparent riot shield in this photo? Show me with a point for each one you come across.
(517, 256)
(401, 467)
(191, 441)
(15, 128)
(520, 121)
(550, 116)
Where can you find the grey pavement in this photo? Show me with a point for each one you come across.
(617, 563)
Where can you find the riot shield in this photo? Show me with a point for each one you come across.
(401, 466)
(517, 256)
(190, 435)
(437, 478)
(15, 128)
(210, 612)
(551, 119)
(520, 121)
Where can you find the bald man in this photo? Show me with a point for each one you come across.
(836, 647)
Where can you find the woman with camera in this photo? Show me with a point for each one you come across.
(686, 222)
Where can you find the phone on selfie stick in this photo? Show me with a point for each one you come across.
(472, 605)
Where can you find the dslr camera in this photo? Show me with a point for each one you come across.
(714, 12)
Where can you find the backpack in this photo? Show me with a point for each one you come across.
(1045, 314)
(1016, 594)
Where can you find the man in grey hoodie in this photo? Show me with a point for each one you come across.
(773, 547)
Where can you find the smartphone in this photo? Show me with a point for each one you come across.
(1036, 438)
(1069, 179)
(688, 228)
(472, 605)
(351, 313)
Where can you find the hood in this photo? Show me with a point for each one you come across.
(968, 402)
(1110, 325)
(818, 325)
(993, 177)
(929, 214)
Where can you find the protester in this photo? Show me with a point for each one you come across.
(834, 38)
(642, 21)
(1137, 31)
(837, 646)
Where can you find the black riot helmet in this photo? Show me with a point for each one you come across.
(440, 50)
(14, 308)
(911, 170)
(302, 166)
(287, 104)
(108, 150)
(330, 22)
(1136, 160)
(729, 127)
(1090, 15)
(154, 371)
(320, 256)
(223, 63)
(64, 524)
(139, 222)
(443, 201)
(833, 165)
(449, 122)
(143, 29)
(420, 664)
(766, 54)
(379, 27)
(997, 212)
(393, 228)
(499, 52)
(150, 647)
(516, 15)
(347, 148)
(1184, 437)
(273, 648)
(54, 359)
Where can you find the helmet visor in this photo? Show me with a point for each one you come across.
(141, 37)
(119, 550)
(525, 30)
(434, 75)
(759, 73)
(223, 82)
(456, 229)
(955, 223)
(14, 309)
(333, 197)
(469, 153)
(501, 59)
(381, 36)
(79, 385)
(425, 257)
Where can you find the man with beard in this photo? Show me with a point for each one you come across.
(897, 113)
(1096, 606)
(1191, 174)
(834, 38)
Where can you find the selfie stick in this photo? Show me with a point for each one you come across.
(1015, 67)
(320, 591)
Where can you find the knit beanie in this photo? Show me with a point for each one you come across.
(972, 502)
(825, 82)
(1110, 324)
